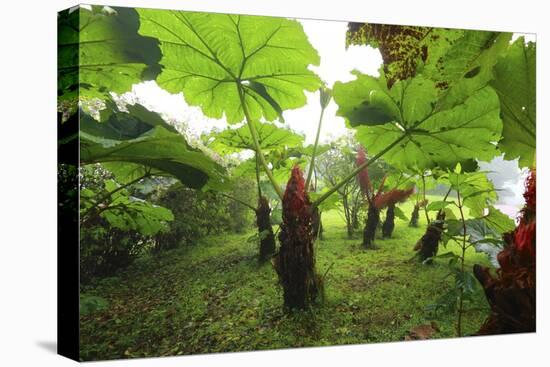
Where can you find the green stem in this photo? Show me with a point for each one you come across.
(312, 163)
(258, 175)
(462, 258)
(424, 198)
(445, 198)
(352, 175)
(254, 135)
(238, 201)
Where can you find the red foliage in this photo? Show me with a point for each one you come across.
(511, 294)
(392, 197)
(363, 175)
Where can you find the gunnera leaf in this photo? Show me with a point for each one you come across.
(211, 58)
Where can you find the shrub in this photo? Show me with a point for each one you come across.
(196, 214)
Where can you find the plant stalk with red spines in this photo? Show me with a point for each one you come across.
(373, 212)
(295, 262)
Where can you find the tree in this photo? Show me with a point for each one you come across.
(334, 165)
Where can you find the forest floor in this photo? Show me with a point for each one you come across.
(215, 297)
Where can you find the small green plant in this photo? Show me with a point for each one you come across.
(481, 229)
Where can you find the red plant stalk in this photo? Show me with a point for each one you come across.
(295, 262)
(363, 176)
(392, 197)
(511, 293)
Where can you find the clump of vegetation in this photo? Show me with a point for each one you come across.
(117, 226)
(210, 213)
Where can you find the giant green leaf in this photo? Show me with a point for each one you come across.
(433, 138)
(125, 172)
(270, 137)
(124, 125)
(515, 81)
(467, 66)
(210, 57)
(99, 50)
(442, 114)
(125, 137)
(365, 101)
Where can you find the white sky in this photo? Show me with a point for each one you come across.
(328, 37)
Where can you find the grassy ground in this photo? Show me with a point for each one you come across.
(214, 297)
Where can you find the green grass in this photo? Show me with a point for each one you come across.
(214, 297)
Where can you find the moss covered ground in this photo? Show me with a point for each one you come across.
(215, 297)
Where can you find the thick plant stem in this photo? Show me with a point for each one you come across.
(295, 261)
(265, 230)
(254, 135)
(373, 218)
(312, 163)
(428, 244)
(389, 222)
(414, 216)
(354, 173)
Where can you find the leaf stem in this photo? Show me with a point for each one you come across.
(424, 198)
(312, 162)
(254, 135)
(238, 201)
(258, 175)
(461, 294)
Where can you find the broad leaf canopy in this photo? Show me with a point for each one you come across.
(209, 57)
(444, 114)
(270, 137)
